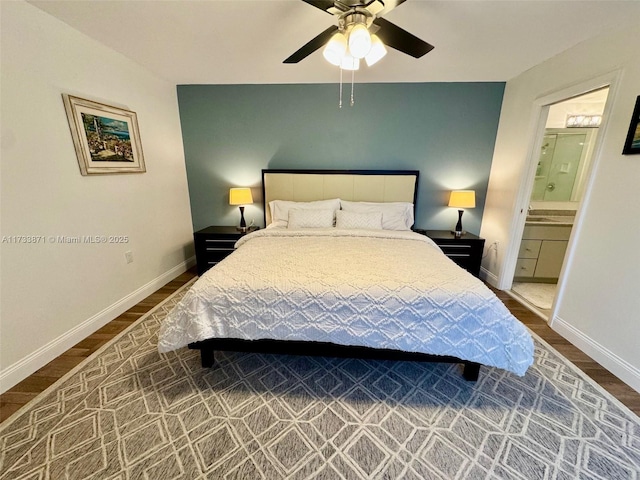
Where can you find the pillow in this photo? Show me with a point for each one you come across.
(366, 221)
(310, 218)
(395, 215)
(280, 208)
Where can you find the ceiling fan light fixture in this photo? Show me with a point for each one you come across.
(336, 49)
(359, 41)
(350, 63)
(378, 50)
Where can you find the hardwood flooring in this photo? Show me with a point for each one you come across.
(28, 389)
(25, 391)
(616, 387)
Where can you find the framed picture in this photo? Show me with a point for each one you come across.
(106, 138)
(632, 144)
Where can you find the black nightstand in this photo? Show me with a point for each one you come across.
(215, 243)
(466, 251)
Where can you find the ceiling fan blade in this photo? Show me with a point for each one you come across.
(388, 6)
(395, 37)
(376, 7)
(312, 45)
(321, 4)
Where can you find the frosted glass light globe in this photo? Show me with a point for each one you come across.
(378, 50)
(335, 49)
(359, 41)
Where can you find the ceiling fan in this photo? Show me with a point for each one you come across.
(360, 33)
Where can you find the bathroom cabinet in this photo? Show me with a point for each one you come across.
(542, 252)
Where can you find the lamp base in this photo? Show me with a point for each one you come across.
(243, 224)
(458, 232)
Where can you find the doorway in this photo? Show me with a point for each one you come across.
(559, 181)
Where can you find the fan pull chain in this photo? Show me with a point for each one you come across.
(340, 101)
(353, 76)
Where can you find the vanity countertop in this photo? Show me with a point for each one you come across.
(548, 220)
(550, 217)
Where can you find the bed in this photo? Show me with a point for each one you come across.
(363, 285)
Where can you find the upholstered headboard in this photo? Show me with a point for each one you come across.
(353, 185)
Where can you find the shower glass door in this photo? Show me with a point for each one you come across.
(560, 158)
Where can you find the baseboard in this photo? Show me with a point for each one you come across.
(20, 370)
(609, 360)
(488, 277)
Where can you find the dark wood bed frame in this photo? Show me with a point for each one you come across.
(322, 349)
(288, 347)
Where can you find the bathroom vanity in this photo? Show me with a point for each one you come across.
(542, 249)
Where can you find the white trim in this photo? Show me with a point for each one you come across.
(605, 357)
(489, 277)
(20, 370)
(523, 198)
(540, 113)
(611, 80)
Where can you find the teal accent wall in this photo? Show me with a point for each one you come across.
(445, 130)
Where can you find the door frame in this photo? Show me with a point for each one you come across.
(536, 136)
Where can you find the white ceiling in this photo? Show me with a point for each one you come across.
(245, 41)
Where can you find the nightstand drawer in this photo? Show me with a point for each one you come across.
(213, 244)
(465, 261)
(453, 250)
(466, 251)
(216, 255)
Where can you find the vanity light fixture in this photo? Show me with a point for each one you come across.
(241, 196)
(583, 121)
(461, 199)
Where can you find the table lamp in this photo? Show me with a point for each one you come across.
(462, 199)
(241, 197)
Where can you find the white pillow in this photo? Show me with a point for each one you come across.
(395, 215)
(280, 208)
(310, 218)
(366, 221)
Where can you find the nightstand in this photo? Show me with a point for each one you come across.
(215, 243)
(466, 251)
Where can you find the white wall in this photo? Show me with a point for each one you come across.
(54, 294)
(600, 305)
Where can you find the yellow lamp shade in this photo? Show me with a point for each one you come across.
(240, 196)
(463, 199)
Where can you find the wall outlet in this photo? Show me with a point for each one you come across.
(129, 256)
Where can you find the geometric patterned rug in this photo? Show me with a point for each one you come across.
(128, 412)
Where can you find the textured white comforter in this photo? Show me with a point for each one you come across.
(383, 289)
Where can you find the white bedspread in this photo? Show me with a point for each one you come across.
(383, 289)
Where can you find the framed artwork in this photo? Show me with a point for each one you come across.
(632, 144)
(106, 138)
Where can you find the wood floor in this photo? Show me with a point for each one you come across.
(28, 389)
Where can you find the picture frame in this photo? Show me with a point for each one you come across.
(106, 138)
(632, 143)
